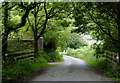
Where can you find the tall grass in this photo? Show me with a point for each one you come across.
(52, 55)
(87, 53)
(13, 72)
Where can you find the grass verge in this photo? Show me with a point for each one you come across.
(21, 69)
(87, 53)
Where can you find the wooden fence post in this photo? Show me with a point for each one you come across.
(112, 58)
(40, 44)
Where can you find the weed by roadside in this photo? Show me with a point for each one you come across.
(52, 55)
(87, 53)
(21, 69)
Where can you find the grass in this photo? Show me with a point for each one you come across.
(62, 53)
(19, 70)
(87, 53)
(14, 46)
(52, 55)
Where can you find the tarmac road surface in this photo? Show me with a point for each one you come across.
(72, 69)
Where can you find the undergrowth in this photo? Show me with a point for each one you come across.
(87, 53)
(19, 70)
(52, 55)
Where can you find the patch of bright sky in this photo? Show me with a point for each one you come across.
(89, 39)
(1, 1)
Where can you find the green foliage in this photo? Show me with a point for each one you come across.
(100, 18)
(22, 33)
(52, 55)
(76, 41)
(40, 58)
(19, 70)
(113, 72)
(64, 23)
(109, 46)
(15, 46)
(99, 50)
(87, 53)
(55, 37)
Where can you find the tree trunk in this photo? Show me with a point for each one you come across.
(118, 26)
(4, 46)
(35, 33)
(35, 46)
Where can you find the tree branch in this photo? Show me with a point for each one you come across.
(23, 20)
(108, 33)
(31, 24)
(27, 28)
(4, 5)
(40, 26)
(44, 26)
(40, 19)
(55, 13)
(97, 23)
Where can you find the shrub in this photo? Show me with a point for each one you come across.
(99, 50)
(52, 55)
(75, 41)
(21, 69)
(54, 39)
(113, 72)
(87, 53)
(14, 46)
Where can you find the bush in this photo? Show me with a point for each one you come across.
(54, 39)
(99, 50)
(21, 69)
(87, 53)
(52, 55)
(76, 41)
(113, 73)
(14, 46)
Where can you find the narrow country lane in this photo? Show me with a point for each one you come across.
(72, 69)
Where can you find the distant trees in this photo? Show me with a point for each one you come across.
(76, 41)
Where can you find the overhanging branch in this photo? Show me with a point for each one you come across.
(107, 33)
(30, 24)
